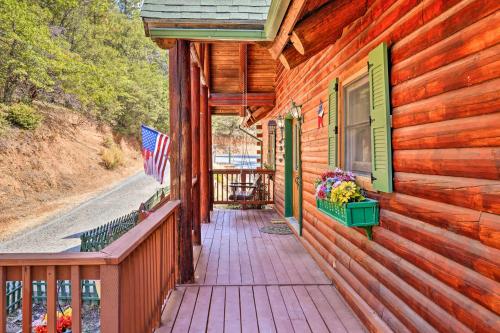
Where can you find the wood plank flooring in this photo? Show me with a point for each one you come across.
(249, 281)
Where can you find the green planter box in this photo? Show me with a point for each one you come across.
(354, 214)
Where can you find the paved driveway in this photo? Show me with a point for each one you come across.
(62, 232)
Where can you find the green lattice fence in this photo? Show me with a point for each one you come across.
(100, 237)
(156, 198)
(14, 293)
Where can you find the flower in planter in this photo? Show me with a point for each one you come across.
(63, 323)
(346, 192)
(338, 186)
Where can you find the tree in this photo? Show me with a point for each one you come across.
(26, 48)
(89, 55)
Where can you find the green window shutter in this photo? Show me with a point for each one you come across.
(333, 107)
(380, 114)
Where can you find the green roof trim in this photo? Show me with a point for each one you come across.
(277, 12)
(219, 34)
(214, 19)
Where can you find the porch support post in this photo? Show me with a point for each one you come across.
(204, 166)
(180, 156)
(195, 130)
(205, 176)
(210, 161)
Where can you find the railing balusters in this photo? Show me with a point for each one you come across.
(136, 273)
(230, 181)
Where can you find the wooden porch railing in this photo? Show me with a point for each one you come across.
(243, 186)
(136, 273)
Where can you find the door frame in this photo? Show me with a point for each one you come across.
(289, 169)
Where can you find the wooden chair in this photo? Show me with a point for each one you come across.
(247, 191)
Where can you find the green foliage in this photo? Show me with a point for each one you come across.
(227, 126)
(90, 55)
(4, 123)
(108, 142)
(23, 116)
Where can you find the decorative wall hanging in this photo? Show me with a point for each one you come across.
(320, 113)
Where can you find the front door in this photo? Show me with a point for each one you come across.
(296, 166)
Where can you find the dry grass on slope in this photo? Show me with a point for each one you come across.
(54, 167)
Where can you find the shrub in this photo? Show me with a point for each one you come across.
(112, 157)
(23, 116)
(4, 124)
(108, 142)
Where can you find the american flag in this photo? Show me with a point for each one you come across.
(155, 151)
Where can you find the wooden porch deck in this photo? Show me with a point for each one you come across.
(249, 281)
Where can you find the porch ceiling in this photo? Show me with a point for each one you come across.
(235, 68)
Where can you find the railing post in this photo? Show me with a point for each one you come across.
(76, 293)
(110, 299)
(51, 299)
(27, 302)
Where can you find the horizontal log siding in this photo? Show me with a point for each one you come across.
(434, 263)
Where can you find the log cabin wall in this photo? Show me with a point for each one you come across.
(434, 262)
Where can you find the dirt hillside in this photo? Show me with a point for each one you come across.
(54, 167)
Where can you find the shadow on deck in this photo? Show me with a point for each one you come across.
(249, 281)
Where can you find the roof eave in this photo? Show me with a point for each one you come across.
(214, 29)
(208, 34)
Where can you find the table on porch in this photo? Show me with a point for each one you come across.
(250, 281)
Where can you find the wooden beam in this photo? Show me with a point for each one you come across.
(292, 16)
(243, 72)
(236, 99)
(322, 28)
(257, 115)
(206, 63)
(165, 43)
(195, 146)
(180, 156)
(291, 58)
(196, 59)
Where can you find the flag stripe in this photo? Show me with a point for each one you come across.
(155, 152)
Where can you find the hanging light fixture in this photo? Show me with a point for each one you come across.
(296, 110)
(281, 125)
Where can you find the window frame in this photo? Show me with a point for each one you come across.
(361, 80)
(347, 77)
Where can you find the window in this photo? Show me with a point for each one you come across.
(357, 126)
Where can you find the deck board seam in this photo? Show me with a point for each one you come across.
(254, 285)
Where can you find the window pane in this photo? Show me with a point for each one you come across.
(357, 133)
